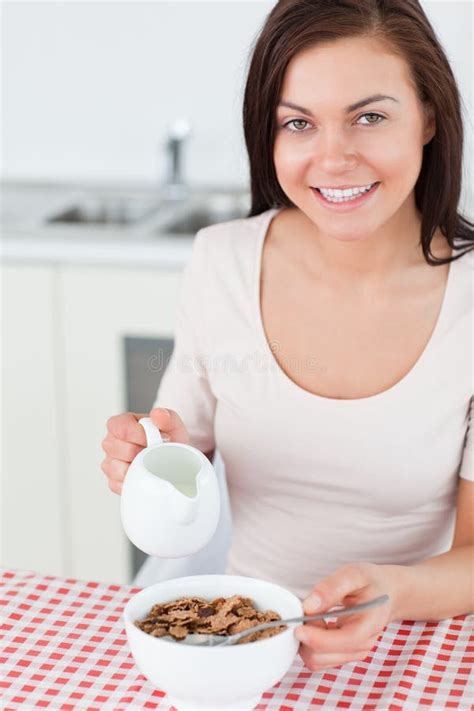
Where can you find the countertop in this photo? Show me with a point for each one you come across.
(27, 237)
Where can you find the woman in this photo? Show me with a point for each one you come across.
(323, 344)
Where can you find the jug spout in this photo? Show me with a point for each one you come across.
(187, 507)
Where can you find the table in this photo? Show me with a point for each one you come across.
(63, 646)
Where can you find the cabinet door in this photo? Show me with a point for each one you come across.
(100, 308)
(34, 513)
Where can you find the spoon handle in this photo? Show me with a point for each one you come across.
(342, 612)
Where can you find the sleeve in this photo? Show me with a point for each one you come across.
(467, 464)
(185, 385)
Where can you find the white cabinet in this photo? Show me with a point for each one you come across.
(34, 515)
(64, 377)
(99, 306)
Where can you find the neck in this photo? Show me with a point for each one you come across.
(371, 259)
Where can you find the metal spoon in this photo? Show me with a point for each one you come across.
(215, 640)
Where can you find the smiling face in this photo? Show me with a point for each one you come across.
(328, 142)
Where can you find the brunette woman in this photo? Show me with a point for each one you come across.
(324, 344)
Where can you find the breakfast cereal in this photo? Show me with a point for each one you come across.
(221, 616)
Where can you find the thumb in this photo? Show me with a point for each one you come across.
(331, 591)
(160, 417)
(170, 424)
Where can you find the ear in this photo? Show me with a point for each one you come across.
(430, 124)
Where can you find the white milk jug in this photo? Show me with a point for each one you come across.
(170, 503)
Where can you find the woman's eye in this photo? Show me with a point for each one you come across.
(297, 128)
(371, 123)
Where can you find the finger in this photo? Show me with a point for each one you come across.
(118, 449)
(126, 428)
(316, 662)
(352, 636)
(346, 581)
(170, 422)
(114, 469)
(322, 624)
(116, 487)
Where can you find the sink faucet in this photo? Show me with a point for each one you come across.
(174, 186)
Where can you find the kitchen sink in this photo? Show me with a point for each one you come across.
(148, 213)
(113, 210)
(207, 209)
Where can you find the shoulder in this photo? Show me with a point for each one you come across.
(228, 250)
(463, 294)
(468, 260)
(464, 265)
(232, 229)
(467, 255)
(228, 241)
(224, 253)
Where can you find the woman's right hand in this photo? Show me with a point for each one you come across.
(126, 438)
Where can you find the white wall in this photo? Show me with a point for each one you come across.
(89, 87)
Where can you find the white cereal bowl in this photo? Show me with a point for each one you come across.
(212, 678)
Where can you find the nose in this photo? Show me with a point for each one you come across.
(335, 151)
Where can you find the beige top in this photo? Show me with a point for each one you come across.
(316, 482)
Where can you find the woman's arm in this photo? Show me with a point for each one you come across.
(434, 589)
(442, 586)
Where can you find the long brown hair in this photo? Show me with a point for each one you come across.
(294, 25)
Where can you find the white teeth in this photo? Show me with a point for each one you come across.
(335, 195)
(348, 192)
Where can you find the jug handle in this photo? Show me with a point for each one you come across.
(153, 434)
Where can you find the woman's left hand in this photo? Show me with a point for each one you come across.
(351, 638)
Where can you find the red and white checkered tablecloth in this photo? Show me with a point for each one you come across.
(63, 646)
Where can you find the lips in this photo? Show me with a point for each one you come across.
(349, 204)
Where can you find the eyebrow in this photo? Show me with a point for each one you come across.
(348, 109)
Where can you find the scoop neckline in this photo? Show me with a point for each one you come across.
(290, 384)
